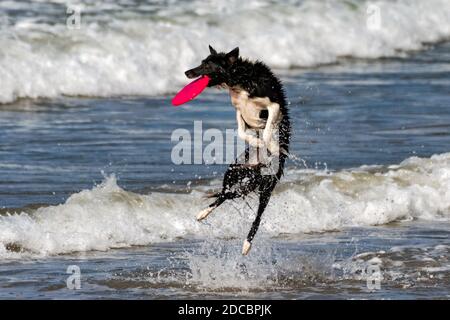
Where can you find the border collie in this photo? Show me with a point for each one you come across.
(259, 99)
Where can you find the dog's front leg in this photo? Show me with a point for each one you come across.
(251, 140)
(274, 113)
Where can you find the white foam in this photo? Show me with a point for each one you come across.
(109, 217)
(219, 266)
(122, 53)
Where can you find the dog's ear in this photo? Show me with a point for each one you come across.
(211, 50)
(233, 55)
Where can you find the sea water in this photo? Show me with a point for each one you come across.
(88, 179)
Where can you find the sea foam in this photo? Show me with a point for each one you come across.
(108, 217)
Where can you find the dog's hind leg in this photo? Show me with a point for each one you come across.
(205, 212)
(264, 198)
(238, 181)
(221, 197)
(225, 194)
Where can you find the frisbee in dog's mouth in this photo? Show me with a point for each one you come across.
(191, 90)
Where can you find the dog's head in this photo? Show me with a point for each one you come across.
(216, 66)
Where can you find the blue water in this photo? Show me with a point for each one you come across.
(346, 112)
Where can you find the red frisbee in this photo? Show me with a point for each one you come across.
(191, 90)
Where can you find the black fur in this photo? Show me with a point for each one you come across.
(259, 81)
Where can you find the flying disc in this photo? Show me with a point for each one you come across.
(191, 90)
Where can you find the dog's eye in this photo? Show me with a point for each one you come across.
(212, 65)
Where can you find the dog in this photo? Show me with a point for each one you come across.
(260, 102)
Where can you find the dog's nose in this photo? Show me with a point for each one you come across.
(189, 74)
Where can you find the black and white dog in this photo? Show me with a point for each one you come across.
(260, 102)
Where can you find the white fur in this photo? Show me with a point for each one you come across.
(246, 247)
(247, 117)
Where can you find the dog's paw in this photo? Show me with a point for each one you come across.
(204, 213)
(246, 247)
(274, 148)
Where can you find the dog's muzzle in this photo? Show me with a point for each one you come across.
(190, 74)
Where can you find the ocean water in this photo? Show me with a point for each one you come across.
(88, 180)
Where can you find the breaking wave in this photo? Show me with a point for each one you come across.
(108, 217)
(143, 47)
